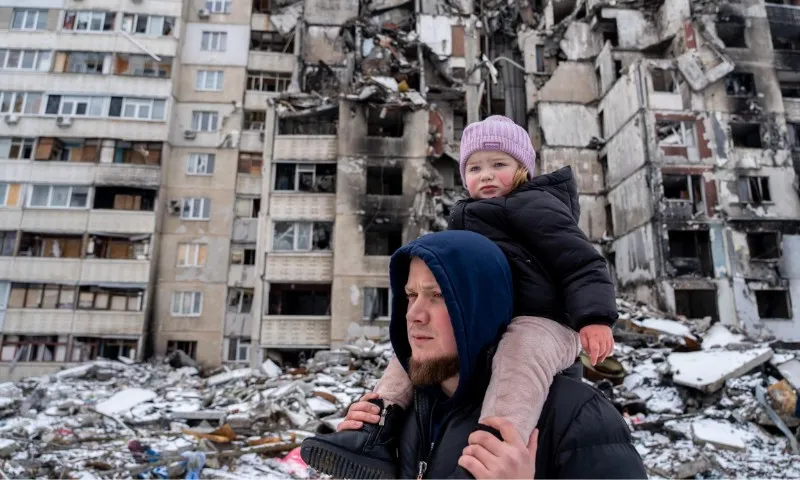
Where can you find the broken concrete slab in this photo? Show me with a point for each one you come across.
(708, 370)
(719, 336)
(720, 434)
(791, 373)
(124, 400)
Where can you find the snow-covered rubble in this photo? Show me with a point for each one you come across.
(690, 394)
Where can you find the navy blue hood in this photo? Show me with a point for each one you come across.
(476, 284)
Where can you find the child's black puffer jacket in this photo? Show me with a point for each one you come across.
(558, 274)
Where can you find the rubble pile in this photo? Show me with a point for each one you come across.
(700, 399)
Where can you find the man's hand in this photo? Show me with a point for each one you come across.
(488, 457)
(361, 412)
(597, 341)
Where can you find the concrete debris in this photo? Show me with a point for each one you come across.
(155, 420)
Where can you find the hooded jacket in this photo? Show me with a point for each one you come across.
(581, 433)
(557, 272)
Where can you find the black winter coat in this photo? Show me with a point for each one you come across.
(581, 435)
(557, 273)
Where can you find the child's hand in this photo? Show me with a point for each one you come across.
(597, 341)
(361, 412)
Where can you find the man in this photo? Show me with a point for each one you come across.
(455, 289)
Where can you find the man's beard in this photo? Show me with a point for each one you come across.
(432, 372)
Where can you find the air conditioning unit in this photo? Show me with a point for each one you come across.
(12, 119)
(63, 121)
(175, 207)
(203, 13)
(189, 134)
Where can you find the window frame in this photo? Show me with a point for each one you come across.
(211, 119)
(39, 24)
(224, 6)
(295, 225)
(202, 78)
(179, 302)
(191, 254)
(25, 105)
(21, 146)
(204, 207)
(386, 317)
(70, 194)
(39, 56)
(213, 41)
(195, 159)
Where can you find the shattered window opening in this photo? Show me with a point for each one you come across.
(382, 239)
(305, 177)
(261, 6)
(764, 245)
(240, 300)
(68, 150)
(740, 84)
(200, 163)
(690, 252)
(254, 120)
(91, 348)
(385, 122)
(299, 299)
(250, 163)
(247, 207)
(684, 195)
(324, 124)
(261, 41)
(142, 65)
(124, 198)
(675, 133)
(377, 304)
(608, 31)
(790, 89)
(42, 295)
(262, 81)
(302, 236)
(118, 247)
(664, 80)
(34, 348)
(196, 208)
(187, 347)
(17, 148)
(754, 190)
(539, 52)
(243, 254)
(746, 135)
(114, 299)
(773, 304)
(138, 153)
(384, 180)
(50, 246)
(793, 134)
(732, 34)
(8, 241)
(696, 304)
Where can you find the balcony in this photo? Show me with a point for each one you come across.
(282, 331)
(303, 206)
(122, 221)
(271, 61)
(10, 218)
(83, 127)
(108, 322)
(55, 220)
(34, 320)
(299, 267)
(678, 209)
(61, 172)
(39, 269)
(252, 141)
(254, 100)
(248, 184)
(90, 84)
(242, 276)
(115, 42)
(305, 147)
(96, 270)
(128, 175)
(238, 324)
(792, 108)
(260, 22)
(245, 230)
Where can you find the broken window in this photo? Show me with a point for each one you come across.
(683, 195)
(34, 348)
(139, 65)
(89, 21)
(68, 150)
(299, 299)
(238, 349)
(250, 163)
(247, 207)
(55, 246)
(690, 252)
(740, 84)
(790, 89)
(254, 120)
(764, 245)
(8, 241)
(118, 247)
(732, 33)
(196, 208)
(154, 25)
(85, 62)
(539, 49)
(459, 123)
(675, 133)
(271, 42)
(17, 148)
(384, 122)
(91, 348)
(302, 236)
(138, 153)
(754, 190)
(187, 304)
(305, 177)
(92, 297)
(607, 27)
(384, 180)
(192, 254)
(124, 198)
(696, 304)
(268, 81)
(377, 304)
(319, 124)
(773, 304)
(49, 296)
(185, 346)
(261, 6)
(200, 163)
(609, 220)
(240, 300)
(382, 239)
(664, 80)
(746, 135)
(243, 254)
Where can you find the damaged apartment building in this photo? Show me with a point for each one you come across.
(679, 118)
(229, 179)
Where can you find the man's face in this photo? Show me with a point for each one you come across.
(434, 353)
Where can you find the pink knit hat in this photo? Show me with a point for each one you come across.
(497, 134)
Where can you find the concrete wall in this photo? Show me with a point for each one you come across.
(233, 83)
(571, 82)
(635, 257)
(626, 151)
(620, 103)
(568, 125)
(585, 166)
(237, 45)
(785, 200)
(631, 203)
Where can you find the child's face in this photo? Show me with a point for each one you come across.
(490, 174)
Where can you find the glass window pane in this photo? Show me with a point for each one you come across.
(283, 238)
(60, 197)
(39, 195)
(303, 230)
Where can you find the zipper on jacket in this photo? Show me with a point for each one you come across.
(421, 471)
(382, 420)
